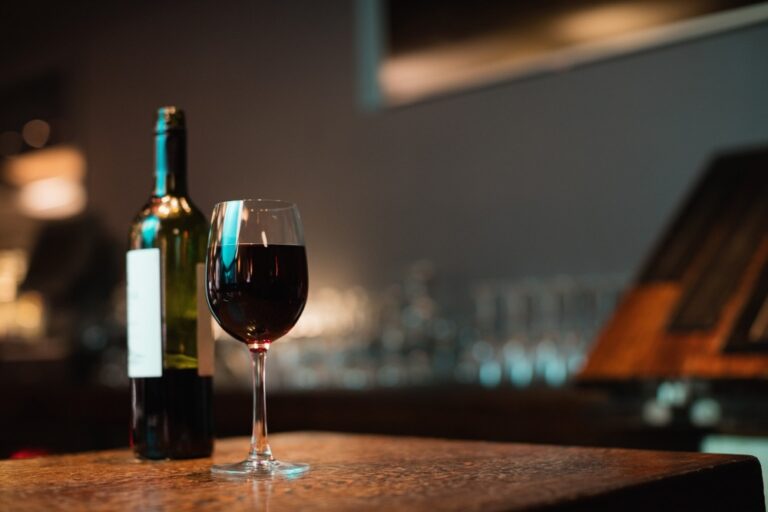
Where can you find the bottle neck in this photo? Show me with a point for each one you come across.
(171, 163)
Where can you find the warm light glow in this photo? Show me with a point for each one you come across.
(566, 39)
(7, 287)
(619, 18)
(332, 313)
(264, 238)
(477, 60)
(52, 198)
(171, 205)
(29, 314)
(448, 66)
(36, 133)
(59, 161)
(13, 267)
(21, 316)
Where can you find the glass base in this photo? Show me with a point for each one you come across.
(261, 469)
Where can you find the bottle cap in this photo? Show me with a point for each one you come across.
(169, 118)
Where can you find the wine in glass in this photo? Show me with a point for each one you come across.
(256, 284)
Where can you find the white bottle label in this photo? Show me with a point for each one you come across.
(145, 313)
(204, 328)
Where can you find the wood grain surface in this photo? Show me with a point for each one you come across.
(361, 472)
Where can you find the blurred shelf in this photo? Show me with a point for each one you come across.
(43, 410)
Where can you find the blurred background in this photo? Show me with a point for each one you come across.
(479, 183)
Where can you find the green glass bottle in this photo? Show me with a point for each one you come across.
(170, 346)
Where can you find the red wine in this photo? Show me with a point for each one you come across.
(174, 419)
(257, 292)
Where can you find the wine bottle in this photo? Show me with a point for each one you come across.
(170, 345)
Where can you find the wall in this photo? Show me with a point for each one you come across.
(575, 172)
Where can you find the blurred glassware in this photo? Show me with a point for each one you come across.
(519, 333)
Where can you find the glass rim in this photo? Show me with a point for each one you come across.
(268, 204)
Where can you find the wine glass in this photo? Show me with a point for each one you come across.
(256, 284)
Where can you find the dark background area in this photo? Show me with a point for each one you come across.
(572, 173)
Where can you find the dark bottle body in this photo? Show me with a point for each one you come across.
(172, 398)
(173, 422)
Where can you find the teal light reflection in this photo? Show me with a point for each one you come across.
(149, 229)
(161, 165)
(230, 230)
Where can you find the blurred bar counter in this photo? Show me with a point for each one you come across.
(45, 412)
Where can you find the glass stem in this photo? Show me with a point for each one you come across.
(261, 453)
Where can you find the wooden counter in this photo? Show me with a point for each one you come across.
(361, 472)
